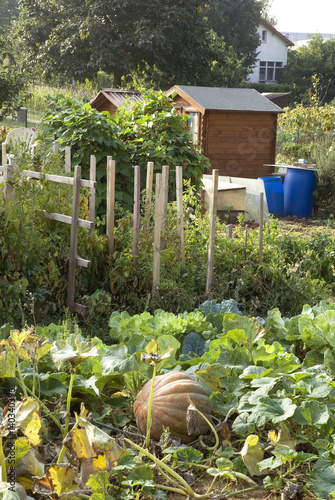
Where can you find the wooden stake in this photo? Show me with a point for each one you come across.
(165, 195)
(180, 211)
(245, 239)
(261, 217)
(73, 239)
(157, 233)
(110, 203)
(136, 217)
(148, 192)
(230, 230)
(55, 147)
(91, 210)
(67, 159)
(7, 192)
(212, 229)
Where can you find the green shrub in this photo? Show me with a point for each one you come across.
(150, 130)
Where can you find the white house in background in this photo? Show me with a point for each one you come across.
(272, 55)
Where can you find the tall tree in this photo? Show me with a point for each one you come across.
(237, 22)
(310, 70)
(118, 37)
(171, 41)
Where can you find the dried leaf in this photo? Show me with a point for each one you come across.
(26, 417)
(283, 438)
(59, 479)
(251, 454)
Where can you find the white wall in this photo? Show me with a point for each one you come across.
(273, 49)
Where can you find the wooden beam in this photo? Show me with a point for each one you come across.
(67, 151)
(110, 203)
(58, 178)
(73, 240)
(212, 229)
(136, 216)
(157, 233)
(79, 309)
(148, 192)
(68, 220)
(84, 263)
(180, 211)
(93, 178)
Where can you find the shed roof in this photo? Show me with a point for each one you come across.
(224, 99)
(115, 96)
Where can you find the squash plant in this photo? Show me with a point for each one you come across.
(272, 392)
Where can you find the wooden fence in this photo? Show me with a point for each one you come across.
(160, 211)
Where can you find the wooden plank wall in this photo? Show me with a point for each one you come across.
(238, 144)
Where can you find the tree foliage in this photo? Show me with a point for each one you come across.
(310, 69)
(228, 18)
(165, 42)
(13, 78)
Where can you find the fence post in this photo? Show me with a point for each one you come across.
(110, 203)
(7, 192)
(180, 211)
(261, 222)
(136, 217)
(67, 159)
(212, 229)
(157, 233)
(55, 147)
(73, 239)
(165, 196)
(148, 192)
(93, 175)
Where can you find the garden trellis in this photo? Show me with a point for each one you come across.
(73, 220)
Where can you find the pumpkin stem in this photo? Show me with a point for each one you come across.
(162, 465)
(217, 441)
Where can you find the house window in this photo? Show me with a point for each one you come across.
(270, 71)
(264, 35)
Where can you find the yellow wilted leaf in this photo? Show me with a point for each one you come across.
(30, 465)
(283, 438)
(24, 416)
(100, 463)
(95, 450)
(7, 363)
(59, 479)
(251, 454)
(78, 444)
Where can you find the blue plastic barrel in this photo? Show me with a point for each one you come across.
(274, 193)
(299, 185)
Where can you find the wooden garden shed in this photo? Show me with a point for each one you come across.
(235, 127)
(110, 99)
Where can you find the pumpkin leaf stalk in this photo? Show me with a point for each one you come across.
(152, 358)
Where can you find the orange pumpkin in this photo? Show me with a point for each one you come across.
(171, 397)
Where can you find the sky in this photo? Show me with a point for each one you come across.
(304, 16)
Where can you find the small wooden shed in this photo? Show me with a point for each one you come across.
(236, 128)
(110, 99)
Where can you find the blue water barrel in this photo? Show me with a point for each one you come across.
(299, 185)
(274, 193)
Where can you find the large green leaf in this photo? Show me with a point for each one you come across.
(116, 360)
(311, 413)
(322, 478)
(277, 410)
